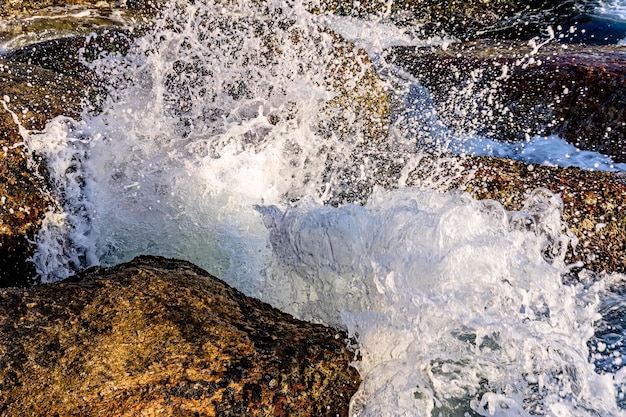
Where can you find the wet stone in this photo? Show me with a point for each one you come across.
(510, 90)
(32, 96)
(163, 336)
(594, 204)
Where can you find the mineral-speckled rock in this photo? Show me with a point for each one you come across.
(34, 95)
(163, 337)
(594, 203)
(510, 90)
(67, 55)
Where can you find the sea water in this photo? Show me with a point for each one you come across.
(615, 9)
(213, 145)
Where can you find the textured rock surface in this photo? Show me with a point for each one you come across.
(467, 19)
(510, 90)
(34, 96)
(594, 203)
(67, 55)
(163, 337)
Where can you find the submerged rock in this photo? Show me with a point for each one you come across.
(31, 96)
(510, 91)
(163, 337)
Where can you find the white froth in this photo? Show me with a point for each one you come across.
(455, 309)
(545, 150)
(615, 9)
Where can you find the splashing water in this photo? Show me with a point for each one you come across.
(615, 9)
(225, 134)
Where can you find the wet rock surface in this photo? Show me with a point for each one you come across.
(68, 56)
(509, 91)
(157, 336)
(470, 19)
(31, 96)
(10, 9)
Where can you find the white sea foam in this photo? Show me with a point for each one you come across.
(455, 307)
(615, 9)
(211, 148)
(545, 150)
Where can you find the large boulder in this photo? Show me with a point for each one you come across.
(510, 91)
(163, 337)
(31, 96)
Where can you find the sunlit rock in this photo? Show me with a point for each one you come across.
(30, 97)
(16, 8)
(163, 337)
(513, 91)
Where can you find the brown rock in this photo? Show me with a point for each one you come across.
(163, 337)
(510, 90)
(594, 203)
(35, 96)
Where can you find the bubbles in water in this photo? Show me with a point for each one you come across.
(226, 133)
(457, 307)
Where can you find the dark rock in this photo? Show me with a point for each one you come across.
(35, 96)
(469, 19)
(594, 203)
(509, 91)
(68, 56)
(157, 336)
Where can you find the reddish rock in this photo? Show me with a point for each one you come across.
(34, 96)
(163, 337)
(510, 90)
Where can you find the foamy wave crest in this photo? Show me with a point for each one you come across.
(456, 308)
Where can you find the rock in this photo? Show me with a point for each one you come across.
(594, 203)
(67, 56)
(163, 337)
(468, 19)
(358, 93)
(34, 96)
(509, 91)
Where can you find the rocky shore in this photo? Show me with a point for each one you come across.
(157, 336)
(33, 96)
(512, 90)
